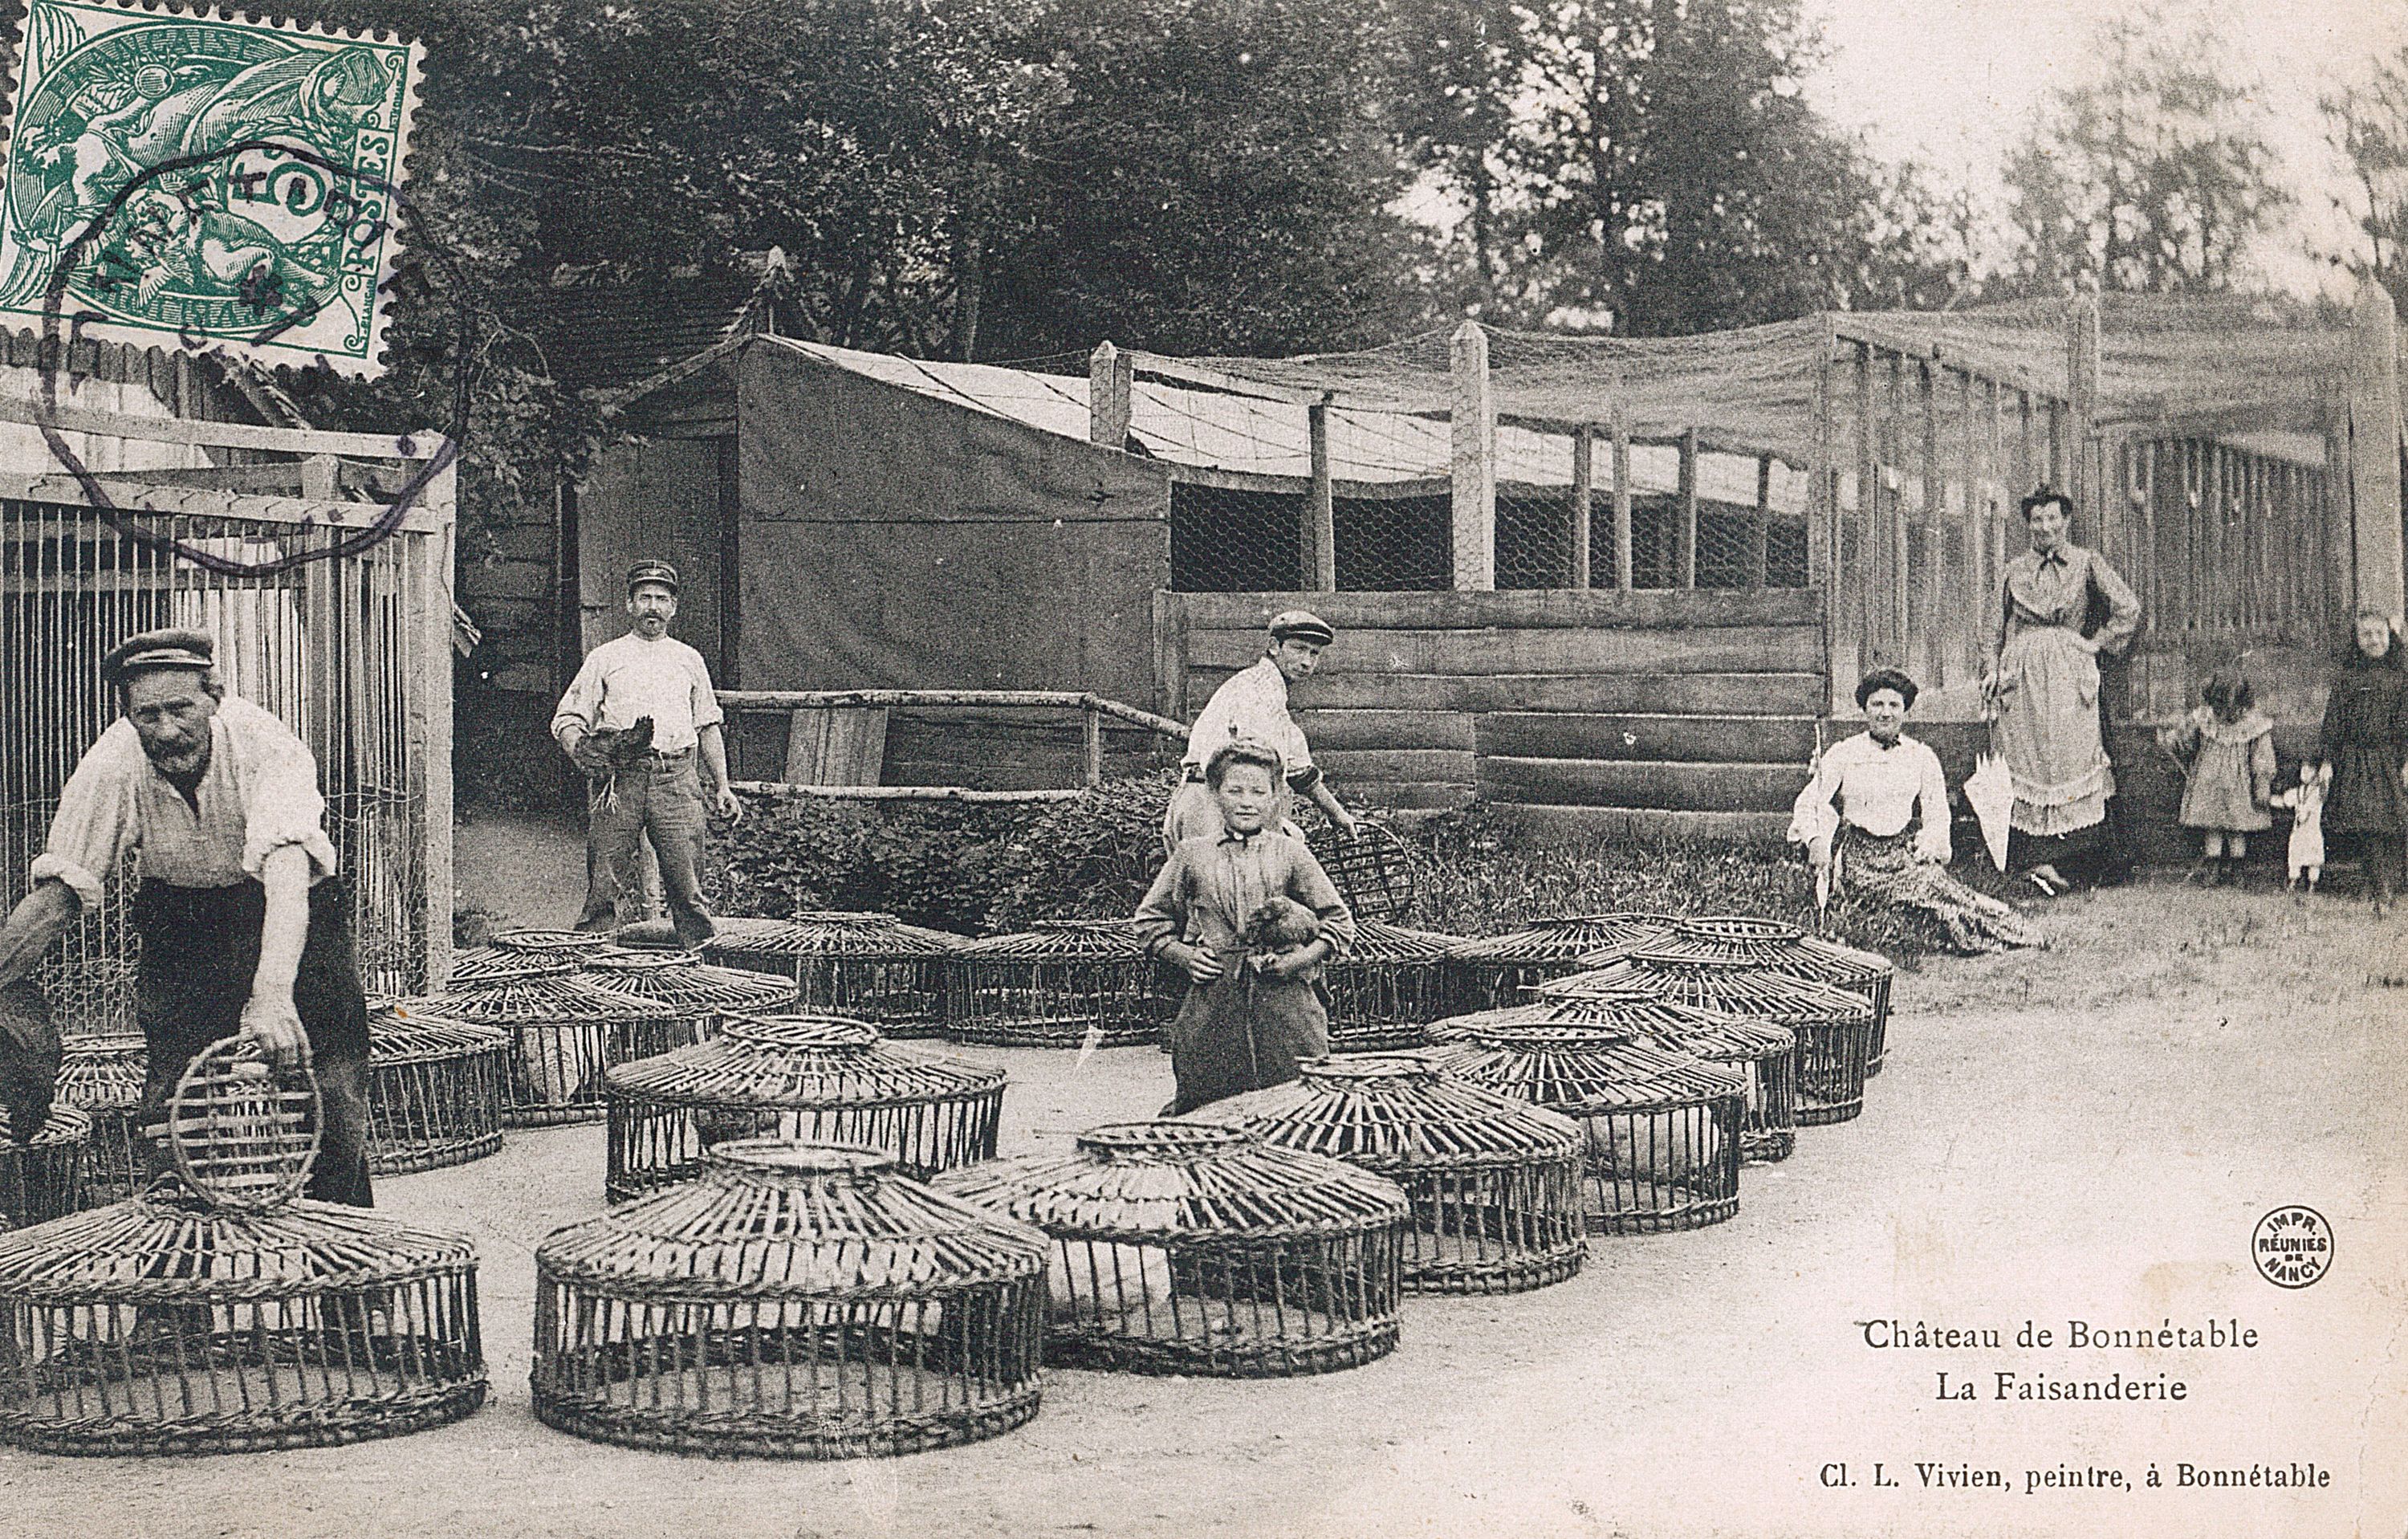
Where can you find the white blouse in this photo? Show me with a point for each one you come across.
(1878, 789)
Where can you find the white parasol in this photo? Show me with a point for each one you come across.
(1991, 790)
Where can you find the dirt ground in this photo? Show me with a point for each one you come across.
(2086, 1135)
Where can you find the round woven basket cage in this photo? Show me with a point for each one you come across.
(677, 985)
(1768, 943)
(564, 1034)
(1188, 1247)
(1834, 1025)
(1766, 1054)
(102, 1077)
(435, 1087)
(869, 967)
(1661, 1128)
(798, 1300)
(1067, 983)
(493, 965)
(1387, 988)
(1495, 970)
(43, 1178)
(552, 943)
(812, 1078)
(1494, 1182)
(174, 1323)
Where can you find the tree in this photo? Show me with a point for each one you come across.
(2369, 125)
(2156, 178)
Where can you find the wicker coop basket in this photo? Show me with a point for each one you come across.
(1777, 947)
(1494, 1182)
(690, 997)
(435, 1087)
(1834, 1026)
(43, 1179)
(868, 967)
(1495, 970)
(1765, 1053)
(102, 1077)
(1387, 988)
(1067, 983)
(798, 1300)
(215, 1314)
(564, 1033)
(1662, 1129)
(1186, 1247)
(815, 1078)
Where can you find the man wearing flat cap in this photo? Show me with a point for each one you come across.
(244, 928)
(635, 719)
(1252, 705)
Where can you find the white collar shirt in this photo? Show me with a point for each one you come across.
(629, 678)
(1252, 705)
(1879, 790)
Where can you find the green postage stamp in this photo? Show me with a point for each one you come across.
(184, 179)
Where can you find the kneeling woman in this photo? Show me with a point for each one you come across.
(1249, 1017)
(1876, 815)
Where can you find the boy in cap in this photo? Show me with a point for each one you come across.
(639, 714)
(244, 928)
(1253, 707)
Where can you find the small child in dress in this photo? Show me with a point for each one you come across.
(2230, 788)
(2306, 857)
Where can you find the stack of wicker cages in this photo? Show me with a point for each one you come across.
(816, 1078)
(1495, 1182)
(42, 1178)
(511, 950)
(869, 967)
(1661, 1128)
(1765, 1053)
(1387, 988)
(564, 1033)
(689, 998)
(435, 1087)
(1834, 1025)
(1188, 1247)
(798, 1300)
(216, 1314)
(101, 1078)
(1067, 983)
(1777, 947)
(1492, 972)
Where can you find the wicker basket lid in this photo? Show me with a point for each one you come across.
(804, 1063)
(1059, 941)
(831, 933)
(767, 1216)
(554, 941)
(557, 994)
(1564, 940)
(1395, 1112)
(1746, 940)
(241, 1133)
(166, 1247)
(104, 1073)
(66, 1125)
(1151, 1181)
(493, 965)
(1778, 997)
(1584, 1071)
(674, 979)
(1377, 942)
(417, 1031)
(1716, 1035)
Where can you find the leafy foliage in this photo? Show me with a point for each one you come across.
(2369, 125)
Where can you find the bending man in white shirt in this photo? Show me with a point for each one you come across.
(636, 718)
(1253, 707)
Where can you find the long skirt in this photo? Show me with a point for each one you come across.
(200, 947)
(2049, 732)
(1884, 867)
(1241, 1033)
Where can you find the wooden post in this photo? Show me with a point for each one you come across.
(2374, 428)
(1868, 573)
(1685, 554)
(1092, 721)
(2082, 412)
(1112, 377)
(1922, 590)
(1823, 572)
(1584, 497)
(1759, 529)
(1320, 512)
(1472, 423)
(429, 737)
(1622, 575)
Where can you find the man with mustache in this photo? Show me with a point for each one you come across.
(244, 928)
